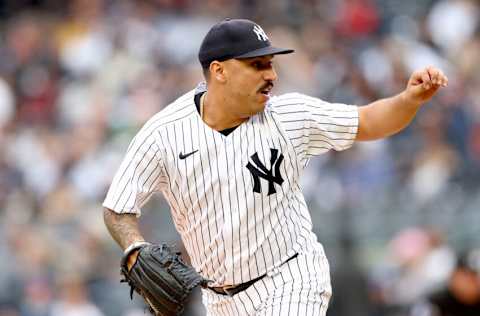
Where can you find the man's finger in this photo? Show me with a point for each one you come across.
(434, 75)
(426, 81)
(438, 77)
(443, 80)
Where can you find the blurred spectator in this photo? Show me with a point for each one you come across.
(460, 296)
(417, 253)
(414, 268)
(83, 43)
(78, 78)
(459, 20)
(30, 66)
(37, 298)
(357, 18)
(72, 299)
(436, 161)
(7, 104)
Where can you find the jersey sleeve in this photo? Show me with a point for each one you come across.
(315, 126)
(140, 174)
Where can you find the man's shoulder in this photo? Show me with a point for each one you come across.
(297, 101)
(177, 110)
(287, 99)
(291, 103)
(294, 99)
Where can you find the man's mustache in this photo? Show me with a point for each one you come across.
(267, 85)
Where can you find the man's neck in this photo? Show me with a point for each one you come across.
(215, 113)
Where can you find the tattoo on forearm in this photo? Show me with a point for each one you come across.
(123, 227)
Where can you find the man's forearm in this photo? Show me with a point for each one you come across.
(385, 117)
(123, 227)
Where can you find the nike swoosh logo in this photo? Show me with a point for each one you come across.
(182, 156)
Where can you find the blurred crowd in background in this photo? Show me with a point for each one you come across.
(78, 78)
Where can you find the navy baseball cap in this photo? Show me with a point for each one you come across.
(236, 38)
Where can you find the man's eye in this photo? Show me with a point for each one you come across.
(260, 65)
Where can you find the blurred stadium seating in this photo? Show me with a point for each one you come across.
(78, 78)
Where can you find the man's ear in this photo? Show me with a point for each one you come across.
(218, 71)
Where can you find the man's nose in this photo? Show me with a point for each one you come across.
(270, 75)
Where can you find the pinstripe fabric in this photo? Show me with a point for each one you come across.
(301, 287)
(235, 227)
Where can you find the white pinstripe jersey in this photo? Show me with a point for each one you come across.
(236, 199)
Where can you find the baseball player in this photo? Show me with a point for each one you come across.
(228, 156)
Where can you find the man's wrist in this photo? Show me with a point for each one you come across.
(135, 245)
(407, 100)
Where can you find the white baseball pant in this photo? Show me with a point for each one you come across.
(300, 288)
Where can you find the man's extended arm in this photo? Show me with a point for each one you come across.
(386, 117)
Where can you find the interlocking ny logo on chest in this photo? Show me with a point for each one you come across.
(271, 175)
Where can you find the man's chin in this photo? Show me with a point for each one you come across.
(259, 108)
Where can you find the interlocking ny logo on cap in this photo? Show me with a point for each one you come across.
(260, 33)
